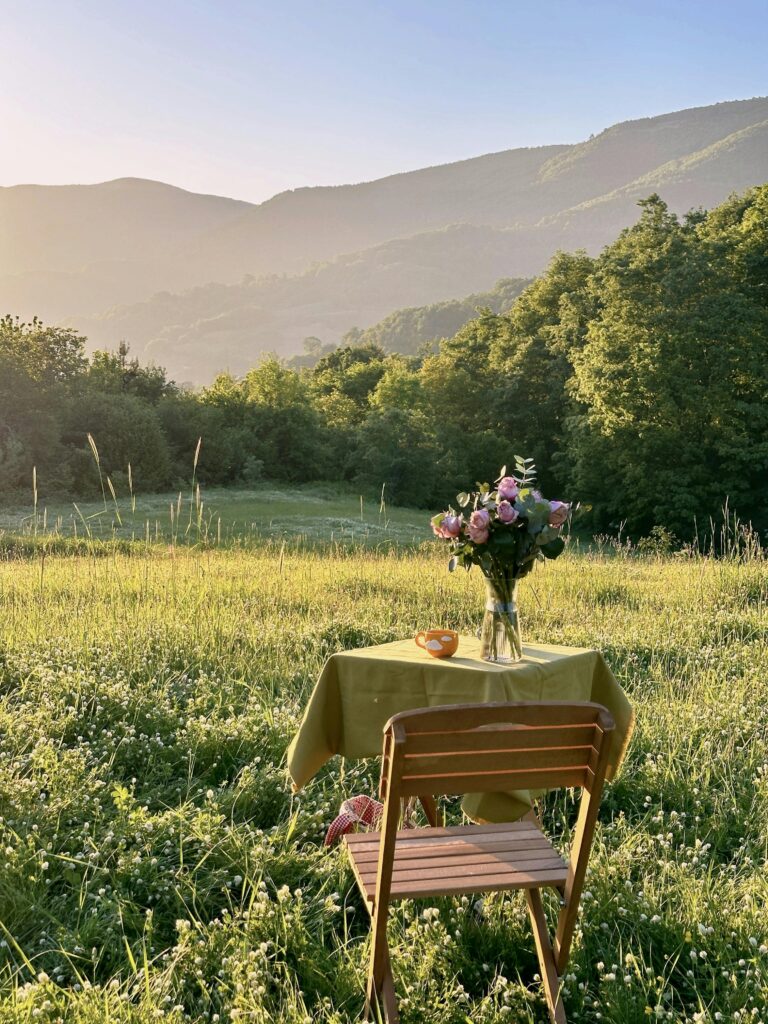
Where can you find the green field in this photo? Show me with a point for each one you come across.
(312, 512)
(156, 866)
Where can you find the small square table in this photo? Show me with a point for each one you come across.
(359, 690)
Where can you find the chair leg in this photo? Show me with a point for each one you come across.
(388, 995)
(549, 975)
(383, 999)
(380, 991)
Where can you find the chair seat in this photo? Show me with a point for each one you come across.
(463, 859)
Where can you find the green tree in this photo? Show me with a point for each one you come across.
(672, 380)
(395, 450)
(114, 372)
(125, 430)
(399, 387)
(532, 354)
(289, 439)
(352, 371)
(48, 355)
(39, 366)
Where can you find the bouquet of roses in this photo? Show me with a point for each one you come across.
(505, 530)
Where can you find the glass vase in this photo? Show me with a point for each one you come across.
(500, 640)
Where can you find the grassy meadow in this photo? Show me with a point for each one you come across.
(155, 865)
(314, 512)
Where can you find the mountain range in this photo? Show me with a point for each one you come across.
(201, 283)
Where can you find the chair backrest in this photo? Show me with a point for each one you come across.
(485, 748)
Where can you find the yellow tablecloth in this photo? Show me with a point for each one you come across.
(358, 691)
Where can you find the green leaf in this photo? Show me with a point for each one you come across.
(553, 548)
(549, 533)
(463, 499)
(453, 563)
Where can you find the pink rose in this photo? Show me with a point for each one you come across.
(448, 527)
(451, 527)
(558, 512)
(479, 523)
(508, 488)
(506, 513)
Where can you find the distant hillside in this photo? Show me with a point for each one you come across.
(80, 248)
(100, 254)
(517, 187)
(214, 327)
(406, 330)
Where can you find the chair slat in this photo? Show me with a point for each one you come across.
(479, 883)
(494, 782)
(413, 851)
(493, 760)
(487, 843)
(435, 867)
(417, 834)
(473, 716)
(509, 737)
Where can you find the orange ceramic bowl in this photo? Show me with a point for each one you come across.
(440, 643)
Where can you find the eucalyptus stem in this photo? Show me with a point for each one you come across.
(501, 631)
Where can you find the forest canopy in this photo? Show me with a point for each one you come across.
(637, 380)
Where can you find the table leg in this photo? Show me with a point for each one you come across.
(533, 817)
(430, 809)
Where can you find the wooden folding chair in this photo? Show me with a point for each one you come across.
(482, 748)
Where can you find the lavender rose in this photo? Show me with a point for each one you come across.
(506, 513)
(451, 526)
(508, 488)
(447, 526)
(558, 512)
(479, 523)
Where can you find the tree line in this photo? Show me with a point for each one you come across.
(637, 380)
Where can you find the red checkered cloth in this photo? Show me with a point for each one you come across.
(357, 811)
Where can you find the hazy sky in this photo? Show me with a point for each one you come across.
(248, 98)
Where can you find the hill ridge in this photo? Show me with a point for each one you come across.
(148, 262)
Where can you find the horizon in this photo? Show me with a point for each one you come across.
(255, 101)
(392, 174)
